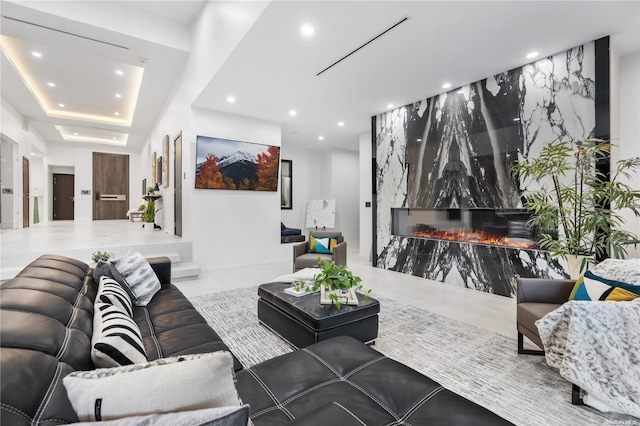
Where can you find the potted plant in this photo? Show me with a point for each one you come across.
(575, 209)
(98, 255)
(149, 214)
(336, 280)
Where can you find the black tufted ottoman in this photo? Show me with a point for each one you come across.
(303, 321)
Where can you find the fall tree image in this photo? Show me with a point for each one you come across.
(268, 164)
(210, 176)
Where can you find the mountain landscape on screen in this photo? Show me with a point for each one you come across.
(241, 170)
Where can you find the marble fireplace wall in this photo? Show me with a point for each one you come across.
(456, 149)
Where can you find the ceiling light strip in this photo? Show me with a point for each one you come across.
(355, 50)
(65, 32)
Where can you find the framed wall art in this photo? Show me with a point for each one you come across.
(286, 183)
(229, 164)
(165, 161)
(154, 159)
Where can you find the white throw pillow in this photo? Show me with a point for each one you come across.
(116, 339)
(624, 270)
(138, 276)
(188, 382)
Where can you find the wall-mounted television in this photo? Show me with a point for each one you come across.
(230, 164)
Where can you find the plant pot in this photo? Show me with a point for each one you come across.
(148, 226)
(574, 263)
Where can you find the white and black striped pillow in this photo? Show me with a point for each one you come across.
(116, 337)
(109, 291)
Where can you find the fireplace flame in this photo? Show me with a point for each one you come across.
(478, 237)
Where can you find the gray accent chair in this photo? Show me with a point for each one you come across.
(302, 258)
(537, 297)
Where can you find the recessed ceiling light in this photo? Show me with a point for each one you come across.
(231, 99)
(292, 112)
(61, 105)
(75, 134)
(51, 84)
(340, 123)
(114, 138)
(532, 55)
(321, 138)
(37, 54)
(306, 30)
(390, 105)
(119, 72)
(116, 113)
(118, 95)
(33, 153)
(446, 85)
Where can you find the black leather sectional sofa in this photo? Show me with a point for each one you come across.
(46, 324)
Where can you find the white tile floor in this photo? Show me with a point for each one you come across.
(491, 312)
(494, 313)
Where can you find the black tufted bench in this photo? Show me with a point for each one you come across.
(345, 382)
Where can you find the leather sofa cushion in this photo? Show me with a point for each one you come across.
(310, 312)
(171, 326)
(304, 386)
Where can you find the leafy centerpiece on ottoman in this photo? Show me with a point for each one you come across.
(337, 285)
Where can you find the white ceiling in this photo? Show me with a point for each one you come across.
(274, 67)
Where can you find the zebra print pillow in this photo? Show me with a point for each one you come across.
(116, 337)
(109, 291)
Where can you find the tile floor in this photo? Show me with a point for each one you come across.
(494, 313)
(491, 312)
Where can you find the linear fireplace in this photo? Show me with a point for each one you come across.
(498, 227)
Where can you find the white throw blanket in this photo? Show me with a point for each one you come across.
(596, 345)
(306, 274)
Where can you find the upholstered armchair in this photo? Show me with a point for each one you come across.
(537, 297)
(303, 257)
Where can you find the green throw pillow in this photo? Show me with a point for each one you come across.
(592, 287)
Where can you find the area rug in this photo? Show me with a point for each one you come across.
(480, 365)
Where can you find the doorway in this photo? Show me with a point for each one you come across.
(177, 184)
(63, 196)
(110, 186)
(25, 192)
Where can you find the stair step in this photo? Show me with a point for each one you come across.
(173, 257)
(183, 270)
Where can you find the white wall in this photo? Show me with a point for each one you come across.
(295, 218)
(324, 174)
(626, 124)
(16, 129)
(7, 156)
(366, 213)
(226, 227)
(345, 179)
(79, 162)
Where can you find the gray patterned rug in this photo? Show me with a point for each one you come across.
(478, 364)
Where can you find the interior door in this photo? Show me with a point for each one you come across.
(63, 193)
(110, 186)
(177, 183)
(25, 192)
